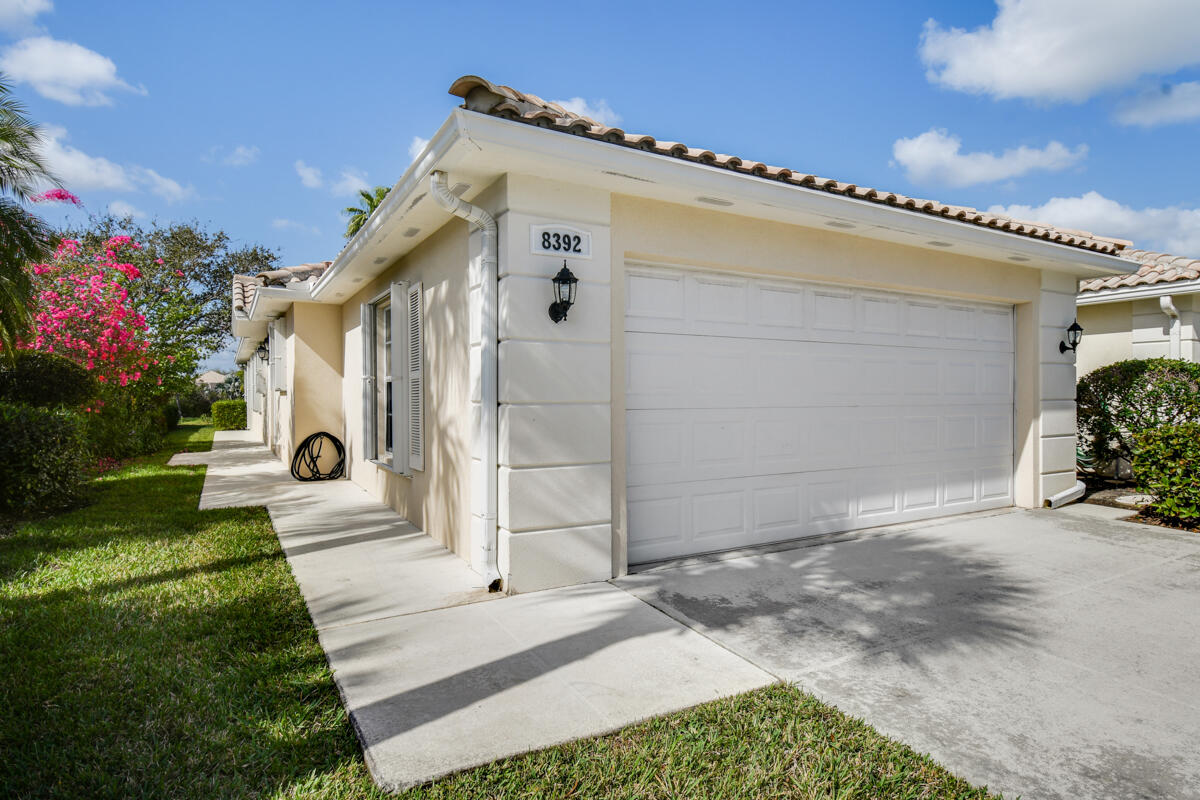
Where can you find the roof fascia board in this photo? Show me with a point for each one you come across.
(398, 200)
(274, 300)
(483, 129)
(1137, 292)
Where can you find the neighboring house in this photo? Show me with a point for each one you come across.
(753, 355)
(211, 379)
(1152, 312)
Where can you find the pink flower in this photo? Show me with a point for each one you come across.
(178, 272)
(56, 196)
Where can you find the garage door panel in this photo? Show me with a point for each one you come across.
(761, 410)
(677, 445)
(708, 304)
(706, 516)
(680, 371)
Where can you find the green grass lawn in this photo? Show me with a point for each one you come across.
(148, 649)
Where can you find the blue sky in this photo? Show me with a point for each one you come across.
(262, 118)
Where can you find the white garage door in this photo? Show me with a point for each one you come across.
(760, 410)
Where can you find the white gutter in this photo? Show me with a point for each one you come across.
(488, 360)
(1137, 292)
(1066, 496)
(1168, 308)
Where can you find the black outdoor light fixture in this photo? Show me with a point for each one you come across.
(262, 352)
(564, 293)
(1074, 334)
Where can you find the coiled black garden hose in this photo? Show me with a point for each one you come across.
(308, 459)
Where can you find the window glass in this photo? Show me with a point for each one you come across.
(383, 376)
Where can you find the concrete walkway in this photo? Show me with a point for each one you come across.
(437, 674)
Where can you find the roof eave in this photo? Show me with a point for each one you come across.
(596, 161)
(1142, 292)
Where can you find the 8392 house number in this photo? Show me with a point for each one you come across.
(560, 240)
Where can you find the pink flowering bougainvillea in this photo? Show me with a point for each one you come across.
(56, 196)
(83, 311)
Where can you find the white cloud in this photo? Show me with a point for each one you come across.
(166, 188)
(415, 147)
(1172, 229)
(76, 169)
(282, 224)
(1063, 50)
(934, 157)
(63, 71)
(241, 155)
(19, 14)
(309, 176)
(598, 110)
(1178, 103)
(79, 171)
(351, 181)
(119, 208)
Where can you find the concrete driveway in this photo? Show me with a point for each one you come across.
(1042, 653)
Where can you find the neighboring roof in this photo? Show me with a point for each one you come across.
(211, 377)
(1155, 268)
(505, 102)
(246, 286)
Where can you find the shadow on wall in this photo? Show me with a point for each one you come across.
(907, 595)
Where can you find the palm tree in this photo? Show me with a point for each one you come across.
(23, 237)
(359, 216)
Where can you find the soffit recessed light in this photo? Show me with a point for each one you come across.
(939, 244)
(715, 201)
(411, 232)
(837, 223)
(380, 260)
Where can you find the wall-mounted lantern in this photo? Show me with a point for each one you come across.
(564, 293)
(262, 351)
(1074, 334)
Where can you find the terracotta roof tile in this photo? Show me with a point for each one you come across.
(245, 287)
(1154, 268)
(485, 97)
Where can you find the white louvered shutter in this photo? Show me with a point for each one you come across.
(367, 333)
(416, 383)
(398, 297)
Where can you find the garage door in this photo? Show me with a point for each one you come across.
(760, 410)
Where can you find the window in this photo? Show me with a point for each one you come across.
(393, 385)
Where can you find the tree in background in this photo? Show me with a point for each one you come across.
(184, 291)
(357, 215)
(23, 237)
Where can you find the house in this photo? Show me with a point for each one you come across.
(752, 354)
(210, 379)
(1152, 312)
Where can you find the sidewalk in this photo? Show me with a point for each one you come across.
(437, 674)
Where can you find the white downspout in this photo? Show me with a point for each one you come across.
(488, 358)
(1168, 308)
(1066, 496)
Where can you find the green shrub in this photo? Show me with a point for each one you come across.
(1166, 466)
(171, 415)
(229, 415)
(1117, 402)
(43, 458)
(120, 429)
(44, 379)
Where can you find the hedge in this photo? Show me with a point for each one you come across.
(1166, 466)
(43, 379)
(229, 415)
(43, 458)
(1117, 402)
